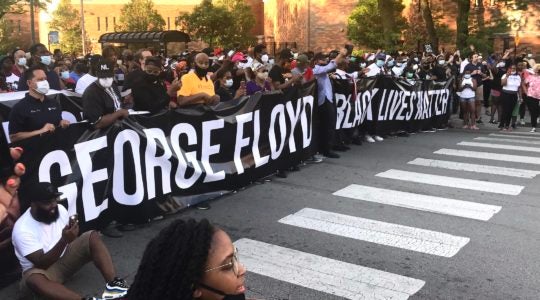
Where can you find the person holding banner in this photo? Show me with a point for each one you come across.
(35, 114)
(468, 87)
(188, 260)
(511, 85)
(197, 87)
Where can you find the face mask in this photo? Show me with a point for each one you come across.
(500, 65)
(295, 55)
(228, 83)
(119, 62)
(271, 61)
(262, 75)
(391, 63)
(399, 65)
(410, 75)
(42, 87)
(352, 59)
(151, 78)
(363, 65)
(264, 58)
(416, 59)
(442, 61)
(64, 74)
(380, 63)
(22, 61)
(46, 59)
(467, 76)
(428, 77)
(529, 55)
(200, 71)
(415, 67)
(106, 82)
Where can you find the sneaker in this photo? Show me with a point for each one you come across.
(378, 138)
(522, 122)
(115, 289)
(479, 121)
(314, 159)
(533, 129)
(369, 139)
(331, 154)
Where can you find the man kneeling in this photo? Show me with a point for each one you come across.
(47, 246)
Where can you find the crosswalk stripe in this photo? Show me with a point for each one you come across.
(454, 182)
(516, 136)
(446, 206)
(490, 156)
(323, 274)
(388, 234)
(500, 146)
(452, 165)
(516, 141)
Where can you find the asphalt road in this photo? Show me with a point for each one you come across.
(484, 252)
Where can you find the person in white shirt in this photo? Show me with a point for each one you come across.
(467, 88)
(87, 79)
(49, 250)
(376, 68)
(511, 86)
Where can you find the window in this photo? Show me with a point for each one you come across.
(106, 24)
(98, 25)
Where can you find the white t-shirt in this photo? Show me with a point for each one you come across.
(13, 81)
(84, 82)
(30, 235)
(513, 83)
(374, 70)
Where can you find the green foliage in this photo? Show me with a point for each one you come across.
(416, 32)
(225, 24)
(479, 38)
(140, 15)
(7, 43)
(66, 20)
(365, 26)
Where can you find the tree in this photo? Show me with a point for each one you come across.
(417, 32)
(226, 24)
(140, 15)
(366, 24)
(66, 20)
(427, 16)
(462, 21)
(10, 6)
(7, 43)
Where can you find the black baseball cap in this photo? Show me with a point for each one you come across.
(39, 192)
(104, 68)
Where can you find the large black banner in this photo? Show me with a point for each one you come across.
(388, 105)
(129, 171)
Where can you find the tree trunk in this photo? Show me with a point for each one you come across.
(430, 25)
(386, 7)
(480, 15)
(462, 21)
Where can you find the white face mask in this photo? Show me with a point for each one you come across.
(42, 87)
(22, 61)
(106, 82)
(415, 67)
(119, 62)
(362, 65)
(46, 60)
(271, 61)
(442, 61)
(64, 74)
(264, 58)
(228, 83)
(529, 55)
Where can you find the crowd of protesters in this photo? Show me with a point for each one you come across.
(116, 82)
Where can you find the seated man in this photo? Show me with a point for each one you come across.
(35, 114)
(49, 251)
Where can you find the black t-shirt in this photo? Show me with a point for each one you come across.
(150, 97)
(477, 77)
(276, 74)
(440, 72)
(133, 79)
(98, 102)
(52, 78)
(224, 93)
(31, 114)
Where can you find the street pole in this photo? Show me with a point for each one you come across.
(83, 33)
(32, 27)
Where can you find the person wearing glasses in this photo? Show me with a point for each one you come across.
(189, 260)
(150, 92)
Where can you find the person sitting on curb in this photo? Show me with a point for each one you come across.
(50, 251)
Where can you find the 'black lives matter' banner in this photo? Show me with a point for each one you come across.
(388, 105)
(115, 173)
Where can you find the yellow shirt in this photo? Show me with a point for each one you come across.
(191, 85)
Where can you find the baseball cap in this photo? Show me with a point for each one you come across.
(302, 58)
(104, 69)
(39, 192)
(381, 56)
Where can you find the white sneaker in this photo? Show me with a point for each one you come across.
(533, 129)
(378, 138)
(521, 122)
(369, 139)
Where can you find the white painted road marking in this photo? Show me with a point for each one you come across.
(452, 165)
(454, 182)
(388, 234)
(500, 146)
(446, 206)
(535, 137)
(490, 156)
(324, 274)
(515, 141)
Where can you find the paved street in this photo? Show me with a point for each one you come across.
(447, 215)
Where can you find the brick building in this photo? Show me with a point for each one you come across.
(20, 27)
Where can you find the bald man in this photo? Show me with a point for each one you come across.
(197, 87)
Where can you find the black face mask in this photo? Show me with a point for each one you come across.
(201, 73)
(227, 296)
(151, 78)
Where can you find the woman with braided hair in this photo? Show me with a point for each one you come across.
(189, 260)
